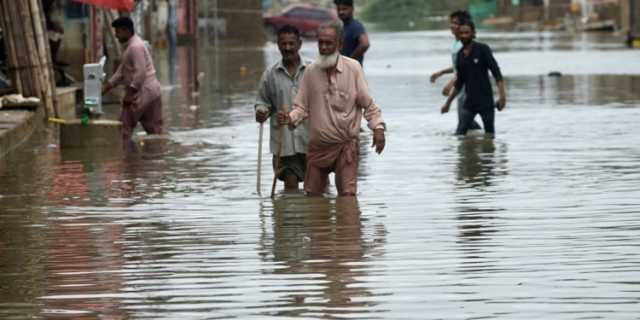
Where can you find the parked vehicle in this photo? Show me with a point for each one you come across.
(304, 17)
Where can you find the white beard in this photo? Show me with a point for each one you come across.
(327, 61)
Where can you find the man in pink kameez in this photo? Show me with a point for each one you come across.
(142, 101)
(333, 95)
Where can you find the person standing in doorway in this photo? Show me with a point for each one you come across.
(454, 24)
(278, 85)
(142, 100)
(55, 31)
(334, 96)
(474, 62)
(356, 41)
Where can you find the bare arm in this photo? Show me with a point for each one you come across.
(502, 92)
(457, 87)
(497, 75)
(372, 112)
(446, 90)
(116, 78)
(447, 104)
(440, 73)
(363, 46)
(263, 101)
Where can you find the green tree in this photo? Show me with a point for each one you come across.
(410, 13)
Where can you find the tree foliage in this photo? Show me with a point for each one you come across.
(412, 12)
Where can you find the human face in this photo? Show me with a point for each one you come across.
(123, 34)
(466, 34)
(345, 12)
(454, 25)
(289, 44)
(328, 42)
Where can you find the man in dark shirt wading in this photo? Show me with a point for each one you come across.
(474, 62)
(356, 41)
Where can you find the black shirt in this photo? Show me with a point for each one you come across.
(473, 74)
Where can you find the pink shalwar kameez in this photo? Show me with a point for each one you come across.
(137, 73)
(334, 105)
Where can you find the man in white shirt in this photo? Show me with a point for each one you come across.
(278, 87)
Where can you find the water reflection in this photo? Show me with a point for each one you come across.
(81, 178)
(109, 176)
(21, 271)
(478, 165)
(477, 171)
(324, 241)
(207, 82)
(84, 268)
(573, 90)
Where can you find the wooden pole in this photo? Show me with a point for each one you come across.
(49, 62)
(20, 62)
(259, 173)
(280, 143)
(15, 46)
(48, 87)
(33, 61)
(633, 23)
(276, 170)
(28, 52)
(10, 45)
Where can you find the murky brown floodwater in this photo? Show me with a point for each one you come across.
(542, 222)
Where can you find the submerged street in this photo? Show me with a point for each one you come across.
(542, 222)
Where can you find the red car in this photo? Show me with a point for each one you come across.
(306, 18)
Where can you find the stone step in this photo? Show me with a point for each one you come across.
(67, 101)
(97, 133)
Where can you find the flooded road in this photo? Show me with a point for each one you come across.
(542, 222)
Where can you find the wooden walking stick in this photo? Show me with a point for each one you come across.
(276, 170)
(260, 159)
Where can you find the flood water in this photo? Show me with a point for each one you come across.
(542, 222)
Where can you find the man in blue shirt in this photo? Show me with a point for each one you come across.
(356, 41)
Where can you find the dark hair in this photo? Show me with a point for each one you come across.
(468, 23)
(343, 2)
(287, 28)
(125, 23)
(462, 15)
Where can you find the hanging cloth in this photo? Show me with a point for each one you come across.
(121, 5)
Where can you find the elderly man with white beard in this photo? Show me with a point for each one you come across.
(334, 95)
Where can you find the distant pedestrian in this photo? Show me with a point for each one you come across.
(474, 62)
(172, 23)
(356, 41)
(278, 86)
(630, 39)
(454, 24)
(334, 96)
(142, 101)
